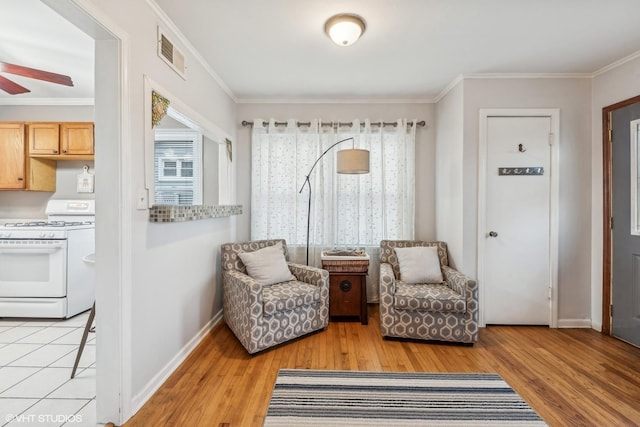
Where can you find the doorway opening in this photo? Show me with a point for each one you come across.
(112, 262)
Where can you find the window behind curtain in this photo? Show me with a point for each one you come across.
(346, 210)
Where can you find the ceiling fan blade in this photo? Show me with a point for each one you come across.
(12, 88)
(46, 76)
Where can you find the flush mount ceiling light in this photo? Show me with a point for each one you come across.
(345, 29)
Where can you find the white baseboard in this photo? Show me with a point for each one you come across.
(574, 323)
(156, 382)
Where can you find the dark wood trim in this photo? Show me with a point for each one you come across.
(607, 244)
(606, 228)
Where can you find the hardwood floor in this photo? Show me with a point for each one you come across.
(571, 377)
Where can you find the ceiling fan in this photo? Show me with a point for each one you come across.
(14, 88)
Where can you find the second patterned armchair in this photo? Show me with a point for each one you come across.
(262, 314)
(443, 307)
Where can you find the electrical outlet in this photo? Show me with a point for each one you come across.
(141, 199)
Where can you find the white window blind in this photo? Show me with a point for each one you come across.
(178, 167)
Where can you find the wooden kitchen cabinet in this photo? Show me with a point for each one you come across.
(76, 138)
(41, 174)
(61, 141)
(12, 160)
(18, 172)
(44, 138)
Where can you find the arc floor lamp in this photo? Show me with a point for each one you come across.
(350, 161)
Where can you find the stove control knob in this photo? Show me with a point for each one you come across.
(43, 235)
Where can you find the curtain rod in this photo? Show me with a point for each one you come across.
(394, 124)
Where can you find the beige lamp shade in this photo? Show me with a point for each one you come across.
(353, 161)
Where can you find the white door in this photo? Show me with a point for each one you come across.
(517, 268)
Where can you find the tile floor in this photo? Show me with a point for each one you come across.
(36, 359)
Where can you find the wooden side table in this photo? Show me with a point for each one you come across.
(347, 286)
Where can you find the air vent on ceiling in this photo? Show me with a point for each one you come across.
(171, 54)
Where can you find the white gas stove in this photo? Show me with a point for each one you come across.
(41, 229)
(46, 266)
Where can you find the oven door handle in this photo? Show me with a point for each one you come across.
(30, 250)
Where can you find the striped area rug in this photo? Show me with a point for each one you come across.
(357, 398)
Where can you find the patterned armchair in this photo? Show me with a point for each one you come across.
(264, 316)
(443, 312)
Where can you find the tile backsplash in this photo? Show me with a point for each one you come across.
(172, 213)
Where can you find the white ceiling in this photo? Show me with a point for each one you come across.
(412, 49)
(276, 50)
(33, 35)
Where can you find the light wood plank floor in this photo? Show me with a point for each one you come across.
(571, 377)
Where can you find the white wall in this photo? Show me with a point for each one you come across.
(573, 98)
(170, 272)
(460, 162)
(425, 148)
(67, 178)
(46, 113)
(449, 172)
(609, 88)
(31, 204)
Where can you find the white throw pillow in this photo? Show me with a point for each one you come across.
(267, 265)
(419, 264)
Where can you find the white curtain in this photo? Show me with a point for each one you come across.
(347, 211)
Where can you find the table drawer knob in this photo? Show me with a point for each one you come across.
(345, 286)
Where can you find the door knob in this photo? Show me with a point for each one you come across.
(493, 234)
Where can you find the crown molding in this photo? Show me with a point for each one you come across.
(616, 64)
(168, 23)
(479, 76)
(459, 78)
(334, 101)
(47, 101)
(528, 76)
